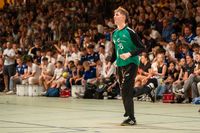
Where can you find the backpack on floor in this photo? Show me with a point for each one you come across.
(196, 100)
(90, 90)
(53, 92)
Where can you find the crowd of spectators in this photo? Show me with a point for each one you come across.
(75, 36)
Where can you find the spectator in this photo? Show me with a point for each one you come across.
(35, 48)
(143, 71)
(47, 72)
(167, 30)
(192, 81)
(77, 75)
(21, 70)
(178, 86)
(89, 73)
(9, 64)
(197, 37)
(33, 74)
(57, 78)
(188, 35)
(92, 57)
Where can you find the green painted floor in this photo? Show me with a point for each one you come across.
(69, 115)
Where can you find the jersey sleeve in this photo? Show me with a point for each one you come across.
(138, 42)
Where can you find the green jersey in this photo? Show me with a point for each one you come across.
(126, 40)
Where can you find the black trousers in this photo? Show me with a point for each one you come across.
(126, 75)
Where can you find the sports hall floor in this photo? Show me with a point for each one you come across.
(69, 115)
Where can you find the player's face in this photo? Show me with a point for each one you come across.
(119, 18)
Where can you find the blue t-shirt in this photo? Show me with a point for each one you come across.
(90, 74)
(21, 69)
(93, 57)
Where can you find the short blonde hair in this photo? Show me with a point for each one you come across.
(122, 11)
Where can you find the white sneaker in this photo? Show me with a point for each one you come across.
(10, 93)
(118, 97)
(43, 93)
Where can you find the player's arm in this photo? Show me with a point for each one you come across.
(138, 42)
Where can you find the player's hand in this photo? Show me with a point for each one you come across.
(125, 56)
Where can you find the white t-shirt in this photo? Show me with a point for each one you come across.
(76, 56)
(51, 68)
(35, 68)
(9, 52)
(58, 72)
(60, 58)
(51, 59)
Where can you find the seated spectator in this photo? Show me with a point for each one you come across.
(197, 37)
(190, 66)
(166, 86)
(188, 35)
(21, 69)
(49, 55)
(33, 74)
(75, 55)
(167, 30)
(108, 69)
(171, 52)
(47, 72)
(194, 79)
(158, 70)
(71, 70)
(143, 71)
(57, 77)
(178, 86)
(184, 51)
(195, 49)
(37, 57)
(77, 75)
(35, 48)
(89, 74)
(83, 55)
(89, 77)
(92, 57)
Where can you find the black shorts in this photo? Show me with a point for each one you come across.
(9, 70)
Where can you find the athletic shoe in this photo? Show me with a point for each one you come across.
(151, 94)
(128, 122)
(118, 97)
(79, 95)
(6, 90)
(186, 100)
(10, 93)
(43, 93)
